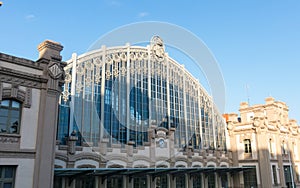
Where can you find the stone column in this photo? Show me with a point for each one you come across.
(234, 150)
(129, 182)
(189, 180)
(152, 182)
(280, 164)
(102, 182)
(50, 60)
(172, 181)
(265, 173)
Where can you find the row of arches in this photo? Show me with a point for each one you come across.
(90, 163)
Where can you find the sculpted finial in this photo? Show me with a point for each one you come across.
(157, 48)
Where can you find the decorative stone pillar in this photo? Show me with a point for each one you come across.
(171, 143)
(152, 146)
(53, 73)
(103, 146)
(234, 150)
(265, 173)
(72, 143)
(130, 148)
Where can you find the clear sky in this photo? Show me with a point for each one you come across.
(256, 43)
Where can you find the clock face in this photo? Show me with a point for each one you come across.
(161, 143)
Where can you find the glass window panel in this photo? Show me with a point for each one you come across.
(2, 128)
(15, 104)
(250, 178)
(7, 185)
(115, 182)
(274, 171)
(5, 103)
(162, 181)
(3, 112)
(3, 120)
(211, 181)
(197, 181)
(9, 116)
(8, 172)
(180, 182)
(14, 114)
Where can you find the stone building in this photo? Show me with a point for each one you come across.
(29, 94)
(265, 138)
(131, 116)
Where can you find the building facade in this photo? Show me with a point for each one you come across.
(265, 138)
(134, 107)
(29, 95)
(131, 116)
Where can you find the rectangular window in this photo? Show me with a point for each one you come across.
(197, 181)
(85, 182)
(162, 181)
(7, 176)
(224, 180)
(274, 171)
(211, 180)
(288, 175)
(180, 181)
(115, 182)
(247, 144)
(140, 182)
(250, 177)
(10, 116)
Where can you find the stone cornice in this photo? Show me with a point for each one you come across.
(237, 128)
(20, 61)
(22, 153)
(87, 155)
(80, 156)
(264, 106)
(20, 78)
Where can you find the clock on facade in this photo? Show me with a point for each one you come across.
(161, 143)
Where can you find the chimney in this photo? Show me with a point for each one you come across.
(50, 50)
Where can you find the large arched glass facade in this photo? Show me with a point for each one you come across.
(118, 93)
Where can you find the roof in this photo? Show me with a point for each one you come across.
(136, 172)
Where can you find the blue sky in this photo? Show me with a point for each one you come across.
(256, 43)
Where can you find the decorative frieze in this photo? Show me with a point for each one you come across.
(9, 139)
(16, 78)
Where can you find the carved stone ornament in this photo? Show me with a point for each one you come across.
(55, 71)
(256, 122)
(158, 48)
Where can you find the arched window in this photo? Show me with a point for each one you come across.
(10, 116)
